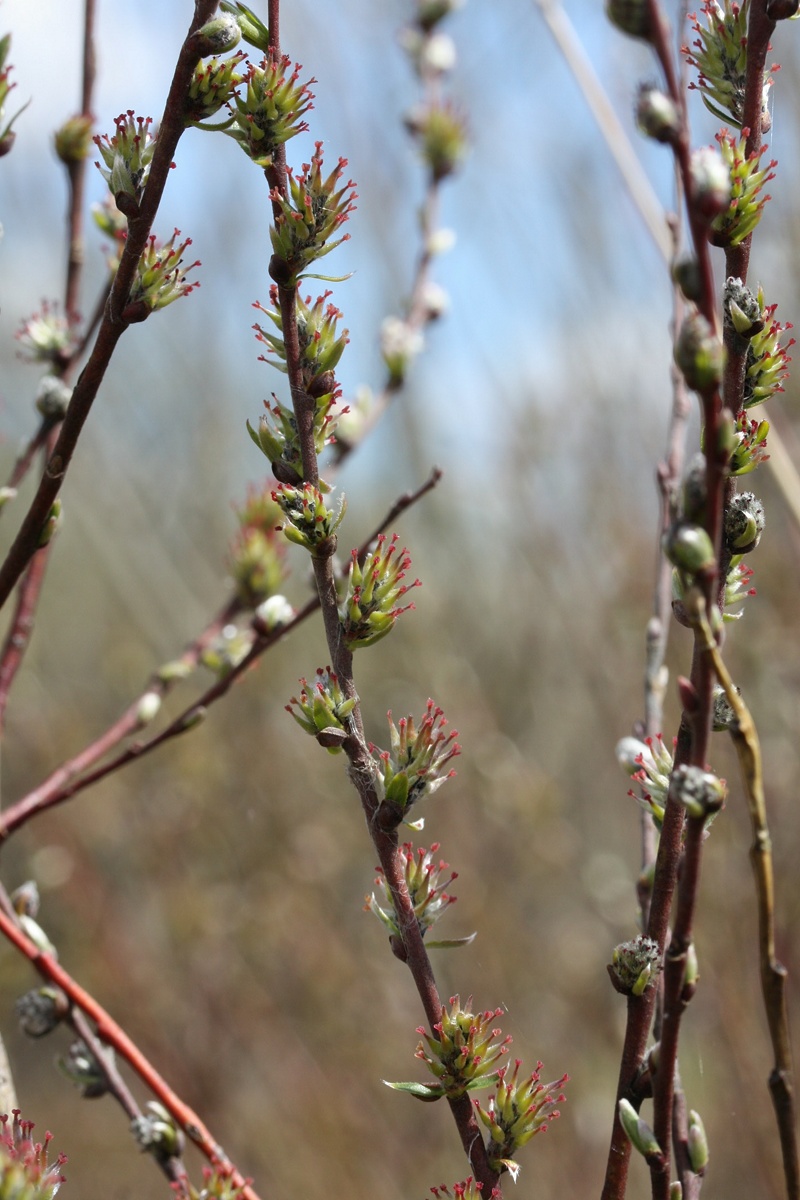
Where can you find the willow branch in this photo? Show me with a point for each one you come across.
(110, 1033)
(112, 325)
(773, 973)
(74, 776)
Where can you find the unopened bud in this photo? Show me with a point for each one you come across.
(73, 140)
(698, 1143)
(631, 17)
(695, 493)
(657, 116)
(638, 1132)
(686, 273)
(711, 182)
(743, 523)
(41, 1010)
(689, 548)
(53, 397)
(51, 525)
(724, 717)
(147, 709)
(699, 354)
(218, 36)
(700, 792)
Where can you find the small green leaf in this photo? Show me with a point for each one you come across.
(422, 1091)
(451, 943)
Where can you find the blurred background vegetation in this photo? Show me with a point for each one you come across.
(211, 896)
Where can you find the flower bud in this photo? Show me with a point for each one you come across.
(80, 1066)
(743, 314)
(218, 36)
(73, 140)
(400, 343)
(699, 354)
(25, 899)
(157, 1133)
(442, 135)
(254, 31)
(723, 718)
(274, 613)
(53, 397)
(631, 17)
(41, 1010)
(430, 12)
(694, 489)
(743, 523)
(711, 182)
(147, 709)
(686, 273)
(701, 793)
(636, 964)
(657, 116)
(689, 548)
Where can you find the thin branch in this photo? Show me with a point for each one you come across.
(67, 781)
(76, 171)
(638, 185)
(773, 973)
(172, 1166)
(20, 630)
(112, 326)
(675, 999)
(109, 1032)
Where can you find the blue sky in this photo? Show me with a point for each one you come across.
(555, 286)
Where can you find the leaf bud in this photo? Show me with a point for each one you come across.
(691, 973)
(51, 525)
(697, 1143)
(638, 1132)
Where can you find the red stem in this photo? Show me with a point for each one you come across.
(110, 1032)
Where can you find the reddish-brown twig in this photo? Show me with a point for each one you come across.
(110, 1033)
(74, 776)
(112, 325)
